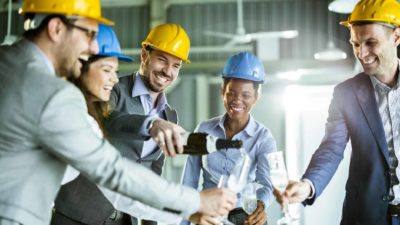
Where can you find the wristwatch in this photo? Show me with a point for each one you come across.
(150, 124)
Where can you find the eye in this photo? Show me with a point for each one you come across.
(246, 96)
(371, 43)
(355, 45)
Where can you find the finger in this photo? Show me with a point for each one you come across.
(169, 142)
(260, 219)
(178, 141)
(161, 143)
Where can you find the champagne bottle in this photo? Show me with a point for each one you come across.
(203, 143)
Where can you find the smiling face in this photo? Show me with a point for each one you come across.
(239, 98)
(374, 45)
(159, 69)
(101, 78)
(74, 45)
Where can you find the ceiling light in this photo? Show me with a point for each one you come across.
(342, 6)
(331, 53)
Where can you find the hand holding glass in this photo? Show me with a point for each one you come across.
(237, 178)
(250, 197)
(279, 178)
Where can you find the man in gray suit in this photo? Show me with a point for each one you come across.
(44, 124)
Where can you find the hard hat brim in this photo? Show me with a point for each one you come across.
(244, 77)
(119, 56)
(101, 20)
(184, 59)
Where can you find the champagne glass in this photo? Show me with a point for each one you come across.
(250, 197)
(237, 179)
(280, 180)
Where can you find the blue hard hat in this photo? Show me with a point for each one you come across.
(109, 44)
(245, 66)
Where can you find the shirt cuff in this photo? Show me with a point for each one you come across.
(147, 125)
(312, 188)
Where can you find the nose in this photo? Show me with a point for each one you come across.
(114, 78)
(167, 70)
(362, 52)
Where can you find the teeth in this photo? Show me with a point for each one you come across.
(108, 88)
(369, 61)
(161, 78)
(84, 57)
(236, 108)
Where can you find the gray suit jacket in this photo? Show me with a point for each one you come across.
(44, 127)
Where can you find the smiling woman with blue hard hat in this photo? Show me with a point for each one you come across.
(76, 203)
(243, 76)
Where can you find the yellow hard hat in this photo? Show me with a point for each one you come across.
(386, 11)
(170, 38)
(86, 8)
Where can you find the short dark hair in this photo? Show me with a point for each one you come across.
(256, 85)
(31, 34)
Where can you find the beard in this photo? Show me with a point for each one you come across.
(151, 86)
(146, 77)
(70, 71)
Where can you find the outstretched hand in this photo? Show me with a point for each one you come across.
(202, 219)
(167, 135)
(296, 192)
(216, 202)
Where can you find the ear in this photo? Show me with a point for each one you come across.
(396, 34)
(55, 29)
(144, 54)
(258, 96)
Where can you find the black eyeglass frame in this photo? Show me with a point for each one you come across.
(89, 32)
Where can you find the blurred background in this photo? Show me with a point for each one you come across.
(305, 53)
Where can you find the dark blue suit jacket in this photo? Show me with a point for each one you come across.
(354, 114)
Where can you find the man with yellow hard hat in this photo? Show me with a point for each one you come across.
(44, 124)
(366, 110)
(163, 51)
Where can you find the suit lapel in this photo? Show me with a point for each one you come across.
(366, 98)
(135, 100)
(170, 114)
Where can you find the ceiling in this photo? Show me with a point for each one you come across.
(134, 18)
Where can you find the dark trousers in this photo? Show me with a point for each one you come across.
(238, 216)
(61, 219)
(393, 220)
(136, 221)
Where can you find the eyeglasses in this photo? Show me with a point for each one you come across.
(89, 32)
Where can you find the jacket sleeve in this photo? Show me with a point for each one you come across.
(65, 132)
(329, 154)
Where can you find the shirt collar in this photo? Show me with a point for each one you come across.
(383, 86)
(249, 129)
(140, 89)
